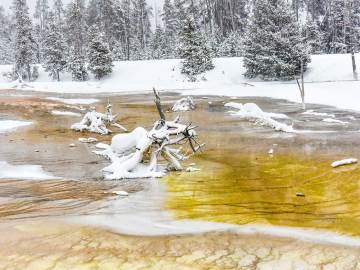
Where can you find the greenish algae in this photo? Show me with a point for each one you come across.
(263, 189)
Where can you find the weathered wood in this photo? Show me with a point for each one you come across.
(158, 105)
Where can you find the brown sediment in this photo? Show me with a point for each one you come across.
(49, 245)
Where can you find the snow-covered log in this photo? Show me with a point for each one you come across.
(252, 112)
(136, 154)
(96, 122)
(343, 162)
(183, 105)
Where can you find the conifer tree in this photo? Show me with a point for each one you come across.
(159, 46)
(54, 49)
(76, 37)
(99, 54)
(194, 51)
(274, 48)
(24, 42)
(6, 48)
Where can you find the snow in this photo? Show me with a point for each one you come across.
(312, 112)
(335, 121)
(87, 140)
(344, 162)
(252, 112)
(184, 105)
(329, 80)
(11, 125)
(74, 101)
(62, 113)
(33, 172)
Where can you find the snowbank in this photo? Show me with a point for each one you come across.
(11, 125)
(33, 172)
(329, 80)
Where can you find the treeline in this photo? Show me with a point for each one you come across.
(123, 30)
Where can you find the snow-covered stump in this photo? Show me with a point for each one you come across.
(137, 154)
(184, 105)
(96, 122)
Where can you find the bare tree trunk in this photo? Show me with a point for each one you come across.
(354, 64)
(302, 85)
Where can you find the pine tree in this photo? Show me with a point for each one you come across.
(159, 46)
(6, 48)
(41, 19)
(170, 31)
(141, 13)
(76, 38)
(194, 50)
(313, 36)
(99, 55)
(54, 49)
(274, 48)
(232, 46)
(59, 12)
(24, 42)
(76, 65)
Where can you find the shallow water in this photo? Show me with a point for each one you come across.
(239, 183)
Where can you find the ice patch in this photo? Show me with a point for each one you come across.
(74, 101)
(61, 113)
(11, 125)
(252, 112)
(33, 172)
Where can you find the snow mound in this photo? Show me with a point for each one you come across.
(252, 112)
(62, 113)
(184, 105)
(33, 172)
(11, 125)
(74, 101)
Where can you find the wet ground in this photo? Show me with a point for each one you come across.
(239, 183)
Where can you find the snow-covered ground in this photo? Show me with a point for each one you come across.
(10, 125)
(329, 80)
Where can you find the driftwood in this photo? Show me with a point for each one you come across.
(127, 151)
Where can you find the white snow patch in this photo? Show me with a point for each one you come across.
(62, 113)
(88, 140)
(252, 112)
(11, 125)
(74, 101)
(33, 172)
(344, 162)
(335, 121)
(312, 112)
